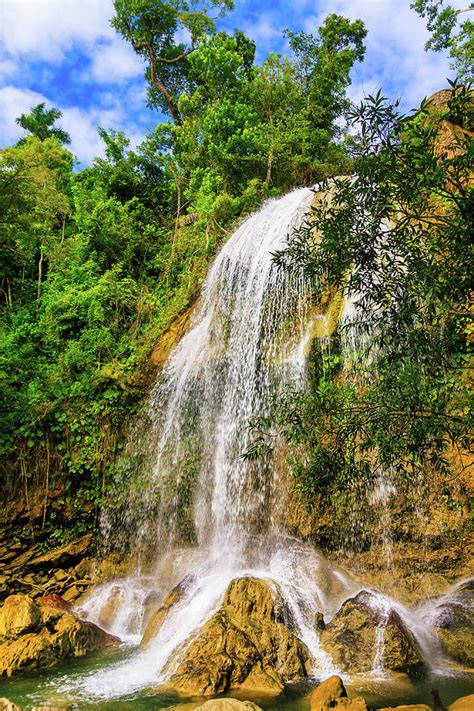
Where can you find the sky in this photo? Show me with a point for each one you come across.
(65, 53)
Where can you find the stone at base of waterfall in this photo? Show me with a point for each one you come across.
(228, 705)
(408, 707)
(465, 703)
(360, 632)
(6, 705)
(159, 616)
(332, 694)
(455, 624)
(38, 636)
(247, 643)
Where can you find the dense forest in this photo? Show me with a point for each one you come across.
(98, 263)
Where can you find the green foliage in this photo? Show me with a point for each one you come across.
(151, 26)
(40, 123)
(396, 239)
(448, 33)
(97, 264)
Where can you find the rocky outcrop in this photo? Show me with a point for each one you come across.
(331, 694)
(6, 705)
(247, 643)
(36, 636)
(228, 705)
(466, 703)
(159, 616)
(361, 630)
(65, 571)
(454, 622)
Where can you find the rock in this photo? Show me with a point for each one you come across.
(158, 617)
(465, 703)
(352, 638)
(6, 705)
(49, 708)
(71, 593)
(408, 707)
(331, 694)
(246, 644)
(324, 695)
(54, 601)
(55, 635)
(66, 555)
(319, 621)
(19, 614)
(228, 705)
(454, 622)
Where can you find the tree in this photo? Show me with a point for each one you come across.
(396, 241)
(443, 21)
(156, 29)
(40, 123)
(323, 65)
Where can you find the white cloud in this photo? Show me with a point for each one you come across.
(114, 63)
(81, 125)
(395, 59)
(46, 29)
(14, 102)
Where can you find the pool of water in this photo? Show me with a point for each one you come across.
(43, 688)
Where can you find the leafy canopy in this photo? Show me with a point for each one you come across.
(40, 123)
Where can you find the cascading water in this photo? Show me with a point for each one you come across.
(215, 515)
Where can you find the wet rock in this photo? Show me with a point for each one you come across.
(408, 707)
(54, 601)
(19, 614)
(465, 703)
(361, 630)
(156, 620)
(6, 705)
(41, 635)
(245, 644)
(66, 555)
(228, 705)
(326, 694)
(331, 694)
(454, 622)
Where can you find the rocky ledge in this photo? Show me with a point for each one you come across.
(364, 634)
(248, 643)
(37, 634)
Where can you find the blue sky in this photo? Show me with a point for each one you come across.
(64, 52)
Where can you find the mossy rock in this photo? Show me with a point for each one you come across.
(40, 635)
(455, 624)
(246, 644)
(352, 638)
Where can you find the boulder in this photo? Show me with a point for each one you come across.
(64, 556)
(326, 694)
(6, 705)
(159, 616)
(246, 644)
(408, 707)
(331, 694)
(228, 705)
(361, 631)
(18, 614)
(44, 635)
(465, 703)
(454, 622)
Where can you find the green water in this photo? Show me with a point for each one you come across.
(42, 689)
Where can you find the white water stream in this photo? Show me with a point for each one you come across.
(247, 339)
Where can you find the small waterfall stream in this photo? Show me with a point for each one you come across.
(247, 340)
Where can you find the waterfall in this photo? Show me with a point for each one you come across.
(210, 515)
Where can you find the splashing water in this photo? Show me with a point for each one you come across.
(247, 340)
